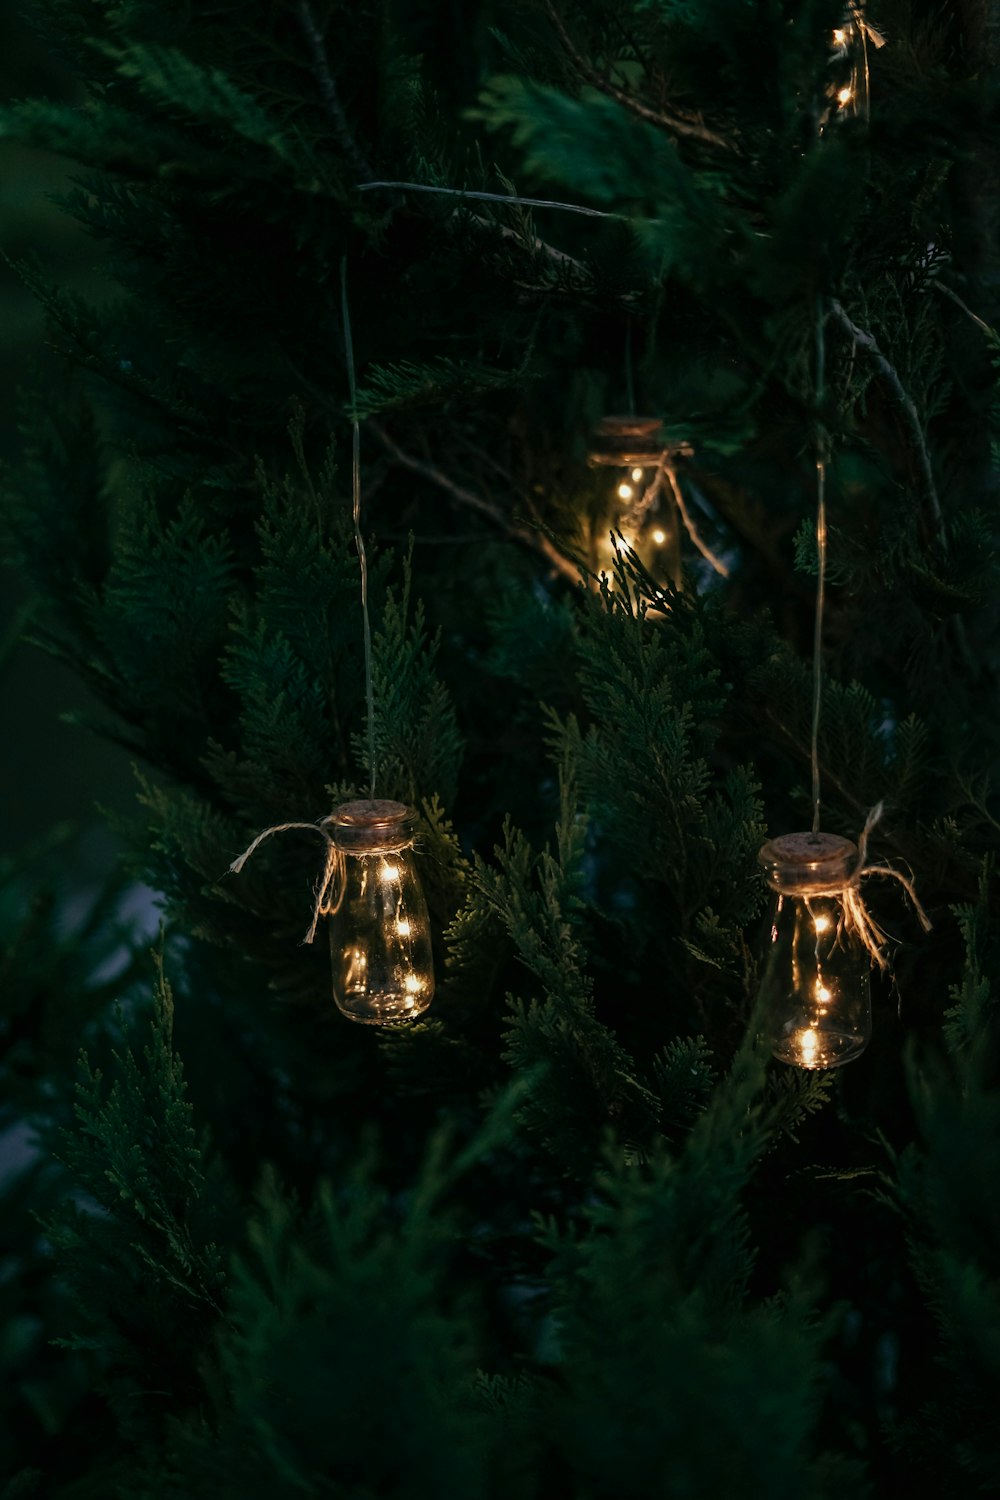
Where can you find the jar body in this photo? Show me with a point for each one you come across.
(630, 451)
(815, 986)
(647, 521)
(380, 940)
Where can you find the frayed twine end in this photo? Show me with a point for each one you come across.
(329, 892)
(859, 919)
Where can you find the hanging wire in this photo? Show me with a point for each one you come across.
(358, 538)
(822, 444)
(629, 375)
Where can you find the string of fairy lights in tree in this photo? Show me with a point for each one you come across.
(370, 890)
(815, 994)
(815, 988)
(851, 41)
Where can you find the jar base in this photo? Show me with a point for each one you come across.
(382, 1009)
(819, 1050)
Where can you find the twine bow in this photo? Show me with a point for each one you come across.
(329, 892)
(666, 470)
(859, 919)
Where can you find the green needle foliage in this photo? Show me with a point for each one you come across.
(572, 1232)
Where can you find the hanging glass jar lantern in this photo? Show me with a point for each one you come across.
(640, 500)
(815, 990)
(380, 940)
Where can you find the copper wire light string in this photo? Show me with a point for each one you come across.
(822, 443)
(358, 537)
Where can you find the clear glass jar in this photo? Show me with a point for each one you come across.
(643, 510)
(815, 986)
(380, 939)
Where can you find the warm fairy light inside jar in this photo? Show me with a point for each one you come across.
(808, 1043)
(815, 976)
(637, 512)
(380, 939)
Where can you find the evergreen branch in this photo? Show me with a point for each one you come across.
(542, 247)
(407, 384)
(628, 101)
(889, 372)
(536, 541)
(328, 90)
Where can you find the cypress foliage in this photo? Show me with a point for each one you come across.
(572, 1231)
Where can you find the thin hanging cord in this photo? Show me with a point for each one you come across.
(865, 70)
(821, 457)
(358, 538)
(629, 377)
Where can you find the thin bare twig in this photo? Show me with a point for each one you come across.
(628, 101)
(979, 322)
(867, 342)
(328, 90)
(536, 541)
(445, 192)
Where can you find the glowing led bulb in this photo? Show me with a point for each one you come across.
(814, 982)
(380, 940)
(659, 536)
(625, 492)
(808, 1046)
(839, 37)
(636, 475)
(844, 96)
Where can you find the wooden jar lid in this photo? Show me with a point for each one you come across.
(809, 864)
(371, 827)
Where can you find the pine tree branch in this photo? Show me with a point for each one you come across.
(551, 252)
(628, 101)
(536, 541)
(328, 90)
(889, 372)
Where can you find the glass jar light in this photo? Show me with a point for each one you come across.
(815, 990)
(380, 939)
(628, 450)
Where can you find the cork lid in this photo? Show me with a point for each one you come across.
(371, 827)
(808, 864)
(621, 441)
